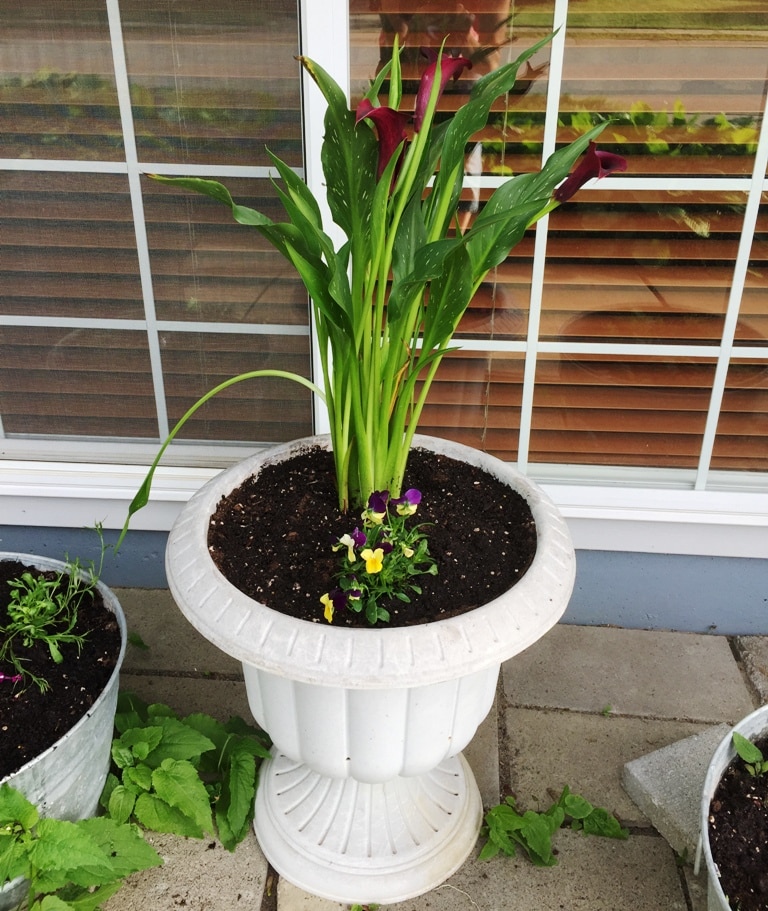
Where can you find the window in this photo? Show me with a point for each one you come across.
(621, 348)
(124, 300)
(631, 330)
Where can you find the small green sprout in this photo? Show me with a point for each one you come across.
(44, 608)
(753, 758)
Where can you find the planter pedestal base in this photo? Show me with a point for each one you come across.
(349, 841)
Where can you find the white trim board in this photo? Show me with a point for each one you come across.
(640, 519)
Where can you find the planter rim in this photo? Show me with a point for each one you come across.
(111, 602)
(369, 658)
(752, 726)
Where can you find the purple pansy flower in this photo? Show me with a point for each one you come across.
(595, 163)
(406, 504)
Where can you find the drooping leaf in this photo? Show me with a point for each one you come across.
(121, 803)
(178, 784)
(154, 813)
(178, 742)
(13, 859)
(240, 788)
(15, 808)
(65, 848)
(124, 845)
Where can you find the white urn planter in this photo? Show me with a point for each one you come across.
(66, 780)
(753, 727)
(367, 796)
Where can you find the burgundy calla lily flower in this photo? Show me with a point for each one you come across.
(390, 129)
(450, 68)
(594, 164)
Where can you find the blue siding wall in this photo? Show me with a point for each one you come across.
(636, 590)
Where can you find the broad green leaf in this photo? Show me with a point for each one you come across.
(178, 741)
(124, 845)
(240, 788)
(229, 839)
(15, 808)
(490, 849)
(122, 755)
(13, 859)
(160, 710)
(349, 157)
(601, 822)
(209, 727)
(469, 119)
(157, 815)
(449, 295)
(178, 784)
(576, 806)
(536, 835)
(110, 784)
(138, 778)
(142, 740)
(52, 903)
(64, 847)
(746, 749)
(121, 803)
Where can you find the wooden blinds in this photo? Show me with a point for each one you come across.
(122, 300)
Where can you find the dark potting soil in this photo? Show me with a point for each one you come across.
(272, 537)
(31, 721)
(738, 835)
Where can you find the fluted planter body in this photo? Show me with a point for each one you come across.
(367, 796)
(753, 727)
(66, 780)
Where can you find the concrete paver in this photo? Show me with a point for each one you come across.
(219, 698)
(593, 874)
(197, 875)
(632, 672)
(552, 749)
(573, 709)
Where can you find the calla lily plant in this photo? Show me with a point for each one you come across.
(388, 299)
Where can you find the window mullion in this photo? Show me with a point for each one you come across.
(557, 53)
(137, 206)
(324, 37)
(734, 302)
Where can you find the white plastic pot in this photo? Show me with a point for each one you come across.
(66, 780)
(753, 727)
(367, 796)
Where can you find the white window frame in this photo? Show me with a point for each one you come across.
(701, 512)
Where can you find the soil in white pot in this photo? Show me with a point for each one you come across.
(738, 835)
(272, 537)
(31, 721)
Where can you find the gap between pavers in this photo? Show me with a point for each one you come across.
(667, 786)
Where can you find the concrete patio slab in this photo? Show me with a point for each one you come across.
(197, 875)
(631, 672)
(593, 874)
(549, 750)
